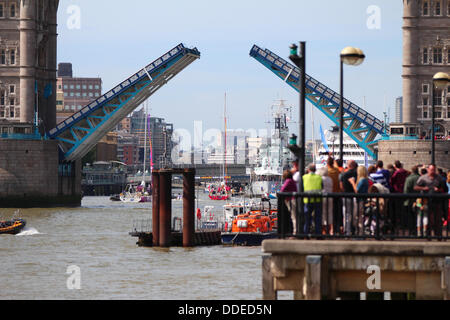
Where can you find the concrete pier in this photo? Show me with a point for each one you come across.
(188, 207)
(165, 207)
(31, 175)
(155, 208)
(318, 270)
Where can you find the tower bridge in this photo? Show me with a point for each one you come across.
(364, 128)
(80, 132)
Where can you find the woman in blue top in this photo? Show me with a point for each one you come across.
(360, 186)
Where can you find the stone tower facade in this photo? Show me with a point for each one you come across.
(426, 51)
(28, 62)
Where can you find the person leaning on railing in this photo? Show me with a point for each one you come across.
(290, 185)
(327, 203)
(312, 183)
(432, 183)
(410, 182)
(361, 185)
(347, 179)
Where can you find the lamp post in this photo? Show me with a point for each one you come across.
(440, 81)
(353, 57)
(300, 62)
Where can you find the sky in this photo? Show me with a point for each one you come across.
(113, 39)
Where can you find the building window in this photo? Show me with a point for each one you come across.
(11, 112)
(2, 57)
(90, 86)
(84, 87)
(71, 94)
(2, 98)
(13, 57)
(13, 10)
(425, 114)
(2, 14)
(97, 86)
(437, 55)
(437, 114)
(71, 86)
(438, 98)
(66, 87)
(425, 88)
(437, 8)
(425, 56)
(78, 86)
(425, 101)
(448, 8)
(12, 102)
(425, 8)
(12, 89)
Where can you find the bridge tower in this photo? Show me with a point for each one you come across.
(426, 51)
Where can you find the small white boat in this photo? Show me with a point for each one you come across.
(133, 194)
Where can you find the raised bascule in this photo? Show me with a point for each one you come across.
(364, 128)
(46, 171)
(80, 133)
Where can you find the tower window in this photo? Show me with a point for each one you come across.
(425, 8)
(13, 10)
(2, 98)
(2, 15)
(425, 88)
(425, 56)
(437, 55)
(12, 101)
(437, 8)
(425, 101)
(13, 57)
(438, 98)
(425, 114)
(2, 57)
(12, 89)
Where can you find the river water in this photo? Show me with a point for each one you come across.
(93, 240)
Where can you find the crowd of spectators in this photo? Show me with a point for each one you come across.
(348, 214)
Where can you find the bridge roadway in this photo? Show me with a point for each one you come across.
(207, 172)
(80, 132)
(364, 128)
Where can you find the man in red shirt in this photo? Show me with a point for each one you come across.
(397, 181)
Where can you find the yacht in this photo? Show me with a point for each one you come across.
(330, 146)
(274, 156)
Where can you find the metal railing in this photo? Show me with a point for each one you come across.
(364, 216)
(142, 226)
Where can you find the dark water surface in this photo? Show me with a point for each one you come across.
(95, 238)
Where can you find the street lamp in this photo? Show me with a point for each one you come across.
(352, 57)
(440, 81)
(300, 62)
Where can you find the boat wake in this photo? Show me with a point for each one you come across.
(28, 232)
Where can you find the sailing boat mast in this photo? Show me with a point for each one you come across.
(145, 140)
(225, 141)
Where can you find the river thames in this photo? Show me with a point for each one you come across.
(94, 239)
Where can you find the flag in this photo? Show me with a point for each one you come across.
(322, 136)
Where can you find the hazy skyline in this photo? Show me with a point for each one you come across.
(113, 41)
